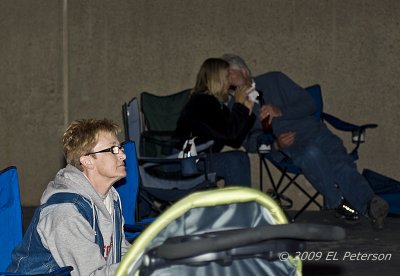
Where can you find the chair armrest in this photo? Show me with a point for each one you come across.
(205, 146)
(149, 161)
(134, 227)
(146, 161)
(139, 226)
(157, 137)
(185, 167)
(62, 271)
(344, 126)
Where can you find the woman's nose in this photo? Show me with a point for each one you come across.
(122, 155)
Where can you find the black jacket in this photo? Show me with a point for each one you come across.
(207, 119)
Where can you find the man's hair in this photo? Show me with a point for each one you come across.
(212, 78)
(81, 136)
(236, 62)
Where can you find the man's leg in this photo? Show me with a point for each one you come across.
(318, 171)
(353, 185)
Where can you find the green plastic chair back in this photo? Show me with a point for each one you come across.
(161, 113)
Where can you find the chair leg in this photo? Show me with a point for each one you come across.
(260, 173)
(311, 200)
(278, 191)
(276, 194)
(310, 197)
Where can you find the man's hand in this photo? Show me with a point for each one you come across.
(285, 140)
(269, 110)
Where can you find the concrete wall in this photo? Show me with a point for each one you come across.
(66, 59)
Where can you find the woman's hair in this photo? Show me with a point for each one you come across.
(212, 79)
(81, 137)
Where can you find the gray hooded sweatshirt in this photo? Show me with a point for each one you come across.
(69, 236)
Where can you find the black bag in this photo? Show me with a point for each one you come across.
(386, 187)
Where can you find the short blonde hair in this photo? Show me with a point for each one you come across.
(212, 79)
(81, 136)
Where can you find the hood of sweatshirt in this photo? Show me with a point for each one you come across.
(72, 180)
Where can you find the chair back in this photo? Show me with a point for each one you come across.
(127, 187)
(10, 215)
(315, 93)
(160, 116)
(161, 113)
(132, 125)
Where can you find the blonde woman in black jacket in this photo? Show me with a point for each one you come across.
(207, 117)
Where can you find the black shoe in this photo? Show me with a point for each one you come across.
(378, 209)
(346, 211)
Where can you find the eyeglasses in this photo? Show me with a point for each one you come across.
(113, 150)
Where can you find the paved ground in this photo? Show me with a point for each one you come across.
(359, 253)
(347, 257)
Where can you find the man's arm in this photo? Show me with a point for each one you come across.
(297, 102)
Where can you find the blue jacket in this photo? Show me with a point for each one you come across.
(33, 258)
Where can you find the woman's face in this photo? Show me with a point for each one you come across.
(224, 77)
(226, 82)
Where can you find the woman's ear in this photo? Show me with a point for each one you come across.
(86, 162)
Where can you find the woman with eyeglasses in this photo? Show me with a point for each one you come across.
(79, 222)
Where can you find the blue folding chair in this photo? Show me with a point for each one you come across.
(289, 172)
(11, 221)
(128, 188)
(10, 215)
(62, 271)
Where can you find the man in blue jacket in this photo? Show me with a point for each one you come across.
(310, 144)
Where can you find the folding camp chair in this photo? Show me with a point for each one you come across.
(128, 189)
(10, 215)
(160, 115)
(161, 178)
(228, 231)
(288, 171)
(63, 271)
(11, 221)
